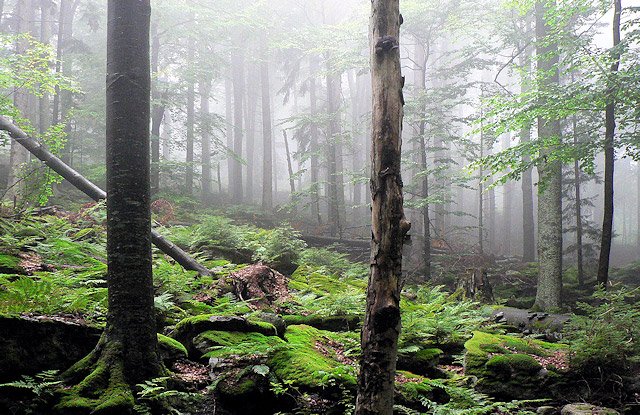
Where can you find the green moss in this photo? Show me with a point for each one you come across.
(304, 364)
(171, 346)
(514, 362)
(223, 344)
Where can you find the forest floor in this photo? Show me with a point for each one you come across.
(276, 329)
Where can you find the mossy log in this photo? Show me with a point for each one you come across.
(529, 322)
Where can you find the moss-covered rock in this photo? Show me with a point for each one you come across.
(30, 345)
(314, 359)
(329, 323)
(171, 349)
(510, 367)
(187, 329)
(420, 362)
(226, 344)
(411, 390)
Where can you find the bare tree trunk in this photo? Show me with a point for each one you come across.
(191, 103)
(381, 326)
(251, 106)
(267, 147)
(507, 207)
(24, 102)
(578, 194)
(228, 99)
(335, 194)
(238, 132)
(609, 155)
(157, 111)
(205, 123)
(421, 58)
(44, 113)
(528, 218)
(549, 290)
(292, 183)
(313, 145)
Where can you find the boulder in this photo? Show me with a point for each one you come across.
(586, 409)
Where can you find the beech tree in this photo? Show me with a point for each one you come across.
(381, 326)
(127, 352)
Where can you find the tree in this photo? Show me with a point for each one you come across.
(381, 326)
(609, 153)
(127, 352)
(549, 290)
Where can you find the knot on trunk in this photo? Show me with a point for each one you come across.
(386, 44)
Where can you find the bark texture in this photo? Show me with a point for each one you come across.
(267, 146)
(549, 290)
(609, 154)
(382, 319)
(131, 316)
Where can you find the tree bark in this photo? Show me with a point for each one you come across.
(267, 147)
(421, 59)
(507, 207)
(292, 183)
(191, 103)
(381, 327)
(93, 191)
(528, 218)
(313, 145)
(578, 194)
(205, 125)
(157, 111)
(238, 96)
(24, 102)
(131, 316)
(44, 114)
(334, 176)
(609, 154)
(549, 290)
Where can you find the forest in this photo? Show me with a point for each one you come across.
(298, 207)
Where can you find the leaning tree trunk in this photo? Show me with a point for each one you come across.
(549, 290)
(609, 155)
(205, 125)
(313, 141)
(93, 191)
(381, 326)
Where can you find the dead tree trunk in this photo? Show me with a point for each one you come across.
(382, 319)
(93, 191)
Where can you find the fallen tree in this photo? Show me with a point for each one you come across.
(93, 191)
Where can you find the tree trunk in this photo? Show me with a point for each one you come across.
(24, 102)
(191, 103)
(157, 111)
(507, 207)
(481, 190)
(578, 194)
(267, 150)
(238, 95)
(334, 176)
(549, 290)
(93, 191)
(44, 113)
(528, 221)
(382, 319)
(251, 130)
(313, 145)
(228, 117)
(131, 316)
(609, 154)
(205, 125)
(421, 59)
(292, 183)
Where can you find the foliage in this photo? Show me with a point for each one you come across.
(155, 393)
(437, 317)
(604, 337)
(41, 387)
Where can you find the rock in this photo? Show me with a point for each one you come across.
(586, 409)
(329, 323)
(29, 345)
(275, 319)
(187, 329)
(259, 285)
(422, 362)
(546, 410)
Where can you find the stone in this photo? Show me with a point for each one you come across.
(586, 409)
